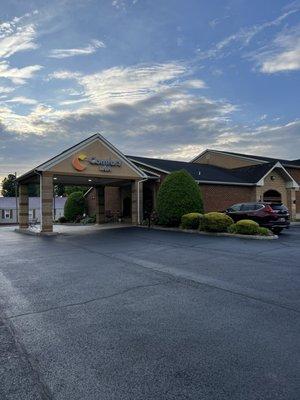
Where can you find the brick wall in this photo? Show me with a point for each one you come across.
(295, 173)
(278, 184)
(298, 204)
(112, 200)
(90, 202)
(219, 197)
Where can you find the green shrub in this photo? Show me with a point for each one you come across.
(179, 194)
(88, 220)
(264, 231)
(215, 222)
(247, 227)
(62, 220)
(74, 206)
(232, 229)
(190, 221)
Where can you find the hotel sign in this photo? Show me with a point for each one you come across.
(80, 163)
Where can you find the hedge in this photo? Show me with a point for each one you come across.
(190, 221)
(248, 227)
(74, 206)
(215, 222)
(179, 194)
(245, 227)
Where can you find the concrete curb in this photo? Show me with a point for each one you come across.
(35, 233)
(231, 235)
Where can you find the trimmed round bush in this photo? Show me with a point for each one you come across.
(215, 222)
(179, 194)
(247, 227)
(190, 221)
(264, 231)
(74, 206)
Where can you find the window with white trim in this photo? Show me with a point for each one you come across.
(6, 214)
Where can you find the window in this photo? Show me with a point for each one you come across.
(248, 207)
(32, 214)
(258, 206)
(235, 207)
(7, 214)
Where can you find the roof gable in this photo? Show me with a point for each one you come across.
(253, 158)
(94, 156)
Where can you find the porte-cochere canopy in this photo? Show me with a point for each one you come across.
(93, 162)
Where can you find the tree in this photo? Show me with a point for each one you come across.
(33, 190)
(179, 194)
(74, 206)
(8, 186)
(72, 189)
(59, 189)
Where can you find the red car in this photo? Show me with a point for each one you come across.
(273, 216)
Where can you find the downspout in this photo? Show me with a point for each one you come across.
(138, 199)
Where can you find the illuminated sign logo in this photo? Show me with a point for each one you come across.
(76, 162)
(104, 165)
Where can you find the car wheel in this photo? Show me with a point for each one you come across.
(276, 231)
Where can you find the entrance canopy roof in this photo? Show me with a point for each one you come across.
(92, 162)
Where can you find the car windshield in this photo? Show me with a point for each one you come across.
(235, 207)
(279, 207)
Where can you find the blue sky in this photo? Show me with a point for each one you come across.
(159, 78)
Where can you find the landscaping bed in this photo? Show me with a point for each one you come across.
(225, 234)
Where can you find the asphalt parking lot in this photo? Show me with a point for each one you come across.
(135, 314)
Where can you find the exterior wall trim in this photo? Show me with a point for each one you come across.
(278, 165)
(226, 183)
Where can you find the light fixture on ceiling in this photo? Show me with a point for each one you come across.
(55, 179)
(90, 180)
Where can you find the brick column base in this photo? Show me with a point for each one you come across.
(46, 193)
(100, 205)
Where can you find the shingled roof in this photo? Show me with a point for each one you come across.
(208, 173)
(205, 173)
(253, 173)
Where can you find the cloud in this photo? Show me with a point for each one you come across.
(18, 75)
(282, 55)
(64, 75)
(243, 37)
(144, 110)
(22, 39)
(128, 85)
(83, 51)
(16, 35)
(22, 100)
(6, 89)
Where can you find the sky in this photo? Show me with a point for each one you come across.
(158, 78)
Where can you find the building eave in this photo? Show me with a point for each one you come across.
(225, 183)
